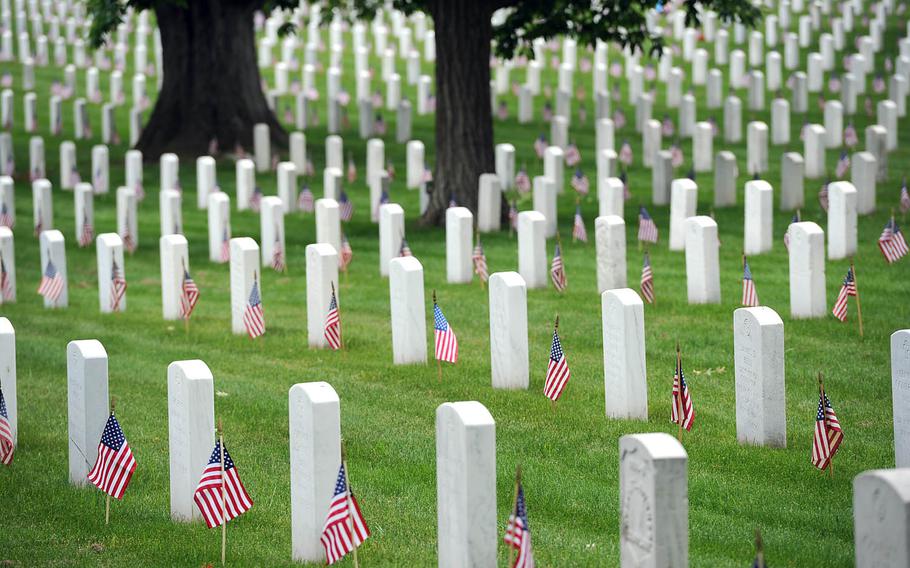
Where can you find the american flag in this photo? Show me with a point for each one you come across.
(580, 183)
(115, 464)
(502, 111)
(557, 271)
(558, 373)
(843, 164)
(390, 169)
(828, 433)
(253, 318)
(647, 228)
(189, 295)
(278, 263)
(578, 228)
(352, 170)
(892, 243)
(572, 155)
(379, 125)
(446, 342)
(306, 202)
(878, 84)
(619, 117)
(345, 528)
(850, 137)
(667, 128)
(51, 285)
(452, 201)
(647, 281)
(427, 174)
(522, 181)
(129, 243)
(518, 532)
(547, 112)
(345, 207)
(6, 219)
(256, 199)
(332, 330)
(847, 289)
(513, 215)
(750, 296)
(118, 286)
(625, 154)
(6, 283)
(225, 244)
(87, 234)
(834, 84)
(540, 145)
(346, 253)
(404, 250)
(688, 411)
(7, 448)
(795, 219)
(823, 196)
(480, 262)
(676, 156)
(220, 490)
(904, 200)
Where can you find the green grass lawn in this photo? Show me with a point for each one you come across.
(569, 457)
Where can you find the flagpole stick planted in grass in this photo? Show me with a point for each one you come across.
(438, 363)
(515, 510)
(821, 396)
(107, 504)
(223, 496)
(859, 311)
(759, 550)
(347, 482)
(679, 393)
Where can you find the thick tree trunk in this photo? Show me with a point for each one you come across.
(211, 88)
(464, 121)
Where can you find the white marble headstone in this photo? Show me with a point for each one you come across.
(87, 404)
(758, 352)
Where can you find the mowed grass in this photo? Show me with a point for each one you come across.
(569, 456)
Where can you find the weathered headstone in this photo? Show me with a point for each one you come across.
(881, 518)
(610, 239)
(807, 271)
(900, 395)
(625, 374)
(758, 353)
(321, 277)
(409, 337)
(702, 264)
(508, 330)
(87, 404)
(758, 234)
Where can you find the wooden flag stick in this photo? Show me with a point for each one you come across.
(347, 482)
(859, 310)
(514, 511)
(759, 550)
(821, 396)
(679, 394)
(438, 362)
(223, 496)
(107, 503)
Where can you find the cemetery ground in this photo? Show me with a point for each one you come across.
(569, 455)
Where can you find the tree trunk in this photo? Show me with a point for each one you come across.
(211, 87)
(464, 121)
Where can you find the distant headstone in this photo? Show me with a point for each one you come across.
(759, 217)
(610, 240)
(702, 264)
(792, 175)
(683, 200)
(109, 253)
(321, 277)
(489, 203)
(532, 248)
(726, 171)
(244, 270)
(508, 330)
(625, 374)
(807, 271)
(174, 263)
(459, 245)
(841, 220)
(391, 232)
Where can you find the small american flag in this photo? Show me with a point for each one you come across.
(647, 228)
(6, 219)
(189, 295)
(904, 200)
(580, 183)
(225, 243)
(346, 254)
(843, 164)
(278, 260)
(253, 318)
(256, 199)
(557, 271)
(51, 285)
(6, 283)
(390, 170)
(540, 145)
(345, 528)
(572, 155)
(625, 154)
(502, 111)
(306, 201)
(452, 201)
(667, 128)
(795, 219)
(446, 342)
(7, 448)
(404, 250)
(88, 232)
(823, 196)
(892, 243)
(379, 125)
(352, 170)
(427, 174)
(522, 181)
(850, 137)
(480, 262)
(332, 330)
(115, 464)
(847, 289)
(513, 215)
(676, 156)
(220, 493)
(750, 296)
(518, 532)
(619, 117)
(688, 411)
(834, 84)
(828, 434)
(558, 373)
(578, 228)
(547, 112)
(647, 281)
(118, 286)
(878, 84)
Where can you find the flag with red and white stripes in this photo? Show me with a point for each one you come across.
(6, 219)
(346, 254)
(225, 244)
(332, 331)
(51, 285)
(118, 286)
(685, 405)
(579, 232)
(828, 434)
(847, 289)
(7, 447)
(446, 342)
(189, 295)
(750, 296)
(557, 271)
(278, 262)
(647, 281)
(253, 317)
(6, 283)
(480, 262)
(558, 373)
(522, 181)
(345, 207)
(647, 228)
(115, 464)
(904, 199)
(580, 183)
(87, 235)
(892, 243)
(345, 528)
(220, 484)
(518, 532)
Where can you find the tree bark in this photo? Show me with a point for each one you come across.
(464, 121)
(211, 87)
